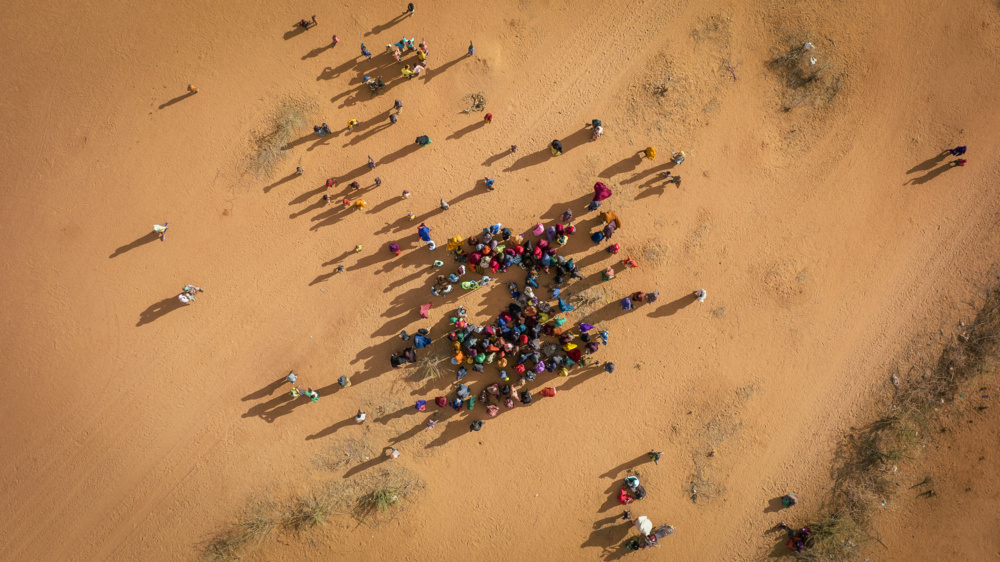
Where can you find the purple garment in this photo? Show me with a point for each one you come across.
(540, 367)
(550, 233)
(584, 327)
(626, 304)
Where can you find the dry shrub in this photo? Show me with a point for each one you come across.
(306, 511)
(385, 490)
(805, 83)
(866, 459)
(268, 146)
(256, 523)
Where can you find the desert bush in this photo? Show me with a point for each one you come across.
(268, 146)
(257, 523)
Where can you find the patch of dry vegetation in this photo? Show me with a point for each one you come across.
(268, 145)
(372, 497)
(807, 74)
(867, 459)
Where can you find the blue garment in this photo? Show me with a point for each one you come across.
(421, 342)
(564, 306)
(424, 233)
(597, 237)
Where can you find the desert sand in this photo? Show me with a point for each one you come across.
(134, 429)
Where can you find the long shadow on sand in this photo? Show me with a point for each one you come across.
(179, 98)
(929, 175)
(382, 27)
(159, 310)
(674, 307)
(141, 241)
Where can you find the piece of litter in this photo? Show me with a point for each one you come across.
(536, 495)
(812, 60)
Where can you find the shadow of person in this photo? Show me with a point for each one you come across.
(319, 204)
(366, 465)
(331, 430)
(317, 51)
(489, 161)
(432, 72)
(294, 32)
(774, 505)
(159, 309)
(382, 27)
(466, 130)
(287, 178)
(607, 532)
(141, 241)
(627, 465)
(929, 175)
(673, 307)
(266, 391)
(529, 160)
(177, 99)
(626, 165)
(929, 163)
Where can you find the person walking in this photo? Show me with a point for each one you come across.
(398, 106)
(957, 151)
(393, 119)
(409, 8)
(472, 49)
(958, 162)
(188, 293)
(291, 377)
(371, 163)
(489, 183)
(351, 124)
(161, 229)
(365, 52)
(335, 40)
(424, 140)
(299, 170)
(312, 394)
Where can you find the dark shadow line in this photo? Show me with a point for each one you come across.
(141, 241)
(177, 99)
(159, 309)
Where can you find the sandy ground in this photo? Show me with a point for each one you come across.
(133, 430)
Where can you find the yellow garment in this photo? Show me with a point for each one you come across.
(360, 204)
(569, 346)
(650, 152)
(406, 72)
(563, 372)
(454, 243)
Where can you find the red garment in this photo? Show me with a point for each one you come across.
(623, 497)
(548, 391)
(441, 401)
(601, 192)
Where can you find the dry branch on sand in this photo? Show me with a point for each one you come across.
(867, 459)
(268, 146)
(476, 102)
(806, 75)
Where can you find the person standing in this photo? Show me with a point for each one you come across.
(398, 106)
(299, 170)
(192, 89)
(957, 151)
(312, 394)
(472, 49)
(409, 8)
(958, 162)
(371, 163)
(161, 229)
(489, 183)
(351, 124)
(700, 294)
(360, 418)
(488, 118)
(365, 52)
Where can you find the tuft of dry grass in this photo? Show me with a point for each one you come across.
(866, 460)
(268, 146)
(307, 511)
(476, 102)
(256, 524)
